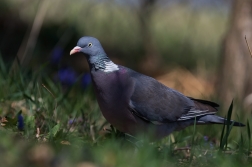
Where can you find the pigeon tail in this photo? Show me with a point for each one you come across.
(214, 119)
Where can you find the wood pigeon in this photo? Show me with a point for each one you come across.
(135, 103)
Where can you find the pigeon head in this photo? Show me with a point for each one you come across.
(96, 56)
(89, 46)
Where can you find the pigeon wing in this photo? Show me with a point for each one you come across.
(155, 102)
(201, 108)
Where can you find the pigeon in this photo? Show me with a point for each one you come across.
(135, 103)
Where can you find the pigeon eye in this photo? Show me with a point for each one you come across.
(90, 44)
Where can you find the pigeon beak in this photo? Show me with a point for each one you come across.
(75, 50)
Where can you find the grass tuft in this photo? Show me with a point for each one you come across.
(63, 125)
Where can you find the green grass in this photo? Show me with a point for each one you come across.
(49, 106)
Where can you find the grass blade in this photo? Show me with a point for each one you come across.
(241, 144)
(228, 121)
(193, 137)
(249, 136)
(3, 67)
(222, 137)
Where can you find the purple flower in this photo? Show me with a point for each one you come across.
(85, 80)
(71, 121)
(20, 121)
(206, 138)
(67, 76)
(57, 53)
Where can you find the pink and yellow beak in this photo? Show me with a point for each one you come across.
(76, 49)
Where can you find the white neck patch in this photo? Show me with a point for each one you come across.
(110, 66)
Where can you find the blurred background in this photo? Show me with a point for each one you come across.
(179, 42)
(195, 46)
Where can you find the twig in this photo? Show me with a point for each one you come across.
(56, 104)
(48, 90)
(38, 133)
(37, 24)
(29, 42)
(248, 46)
(206, 152)
(92, 132)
